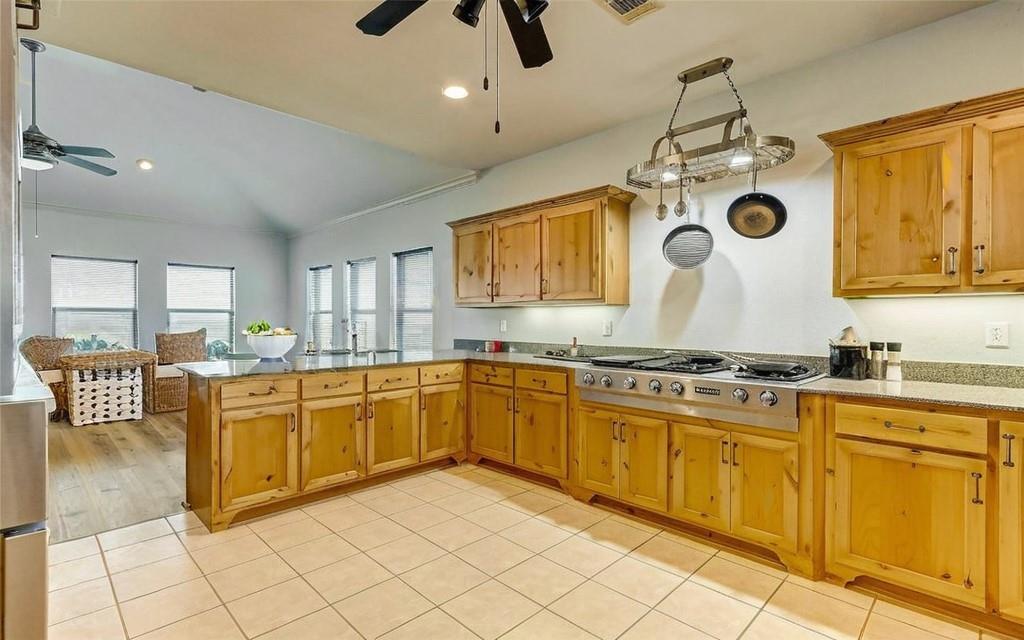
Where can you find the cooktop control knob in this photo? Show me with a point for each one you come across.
(676, 388)
(769, 399)
(606, 381)
(588, 378)
(740, 395)
(629, 382)
(654, 385)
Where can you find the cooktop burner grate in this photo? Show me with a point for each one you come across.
(778, 371)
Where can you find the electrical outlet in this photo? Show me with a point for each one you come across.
(997, 335)
(606, 328)
(502, 326)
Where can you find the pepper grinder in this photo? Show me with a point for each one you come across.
(893, 366)
(876, 367)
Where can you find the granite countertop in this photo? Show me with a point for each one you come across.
(963, 395)
(323, 363)
(29, 388)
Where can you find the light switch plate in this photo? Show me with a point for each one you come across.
(606, 328)
(502, 326)
(997, 335)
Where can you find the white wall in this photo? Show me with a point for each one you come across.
(260, 260)
(770, 295)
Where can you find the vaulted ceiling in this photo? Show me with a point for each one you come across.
(308, 59)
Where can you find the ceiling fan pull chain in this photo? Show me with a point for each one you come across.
(486, 82)
(498, 89)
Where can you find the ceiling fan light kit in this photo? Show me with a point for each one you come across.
(41, 152)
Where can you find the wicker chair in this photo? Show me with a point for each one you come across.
(169, 385)
(42, 354)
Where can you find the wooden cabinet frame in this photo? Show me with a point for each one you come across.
(478, 422)
(309, 482)
(1010, 469)
(982, 259)
(427, 421)
(372, 399)
(572, 249)
(529, 436)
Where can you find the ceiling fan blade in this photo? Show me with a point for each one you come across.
(529, 38)
(386, 15)
(93, 152)
(91, 166)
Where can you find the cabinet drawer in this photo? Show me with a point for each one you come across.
(490, 374)
(918, 428)
(441, 373)
(253, 393)
(384, 379)
(540, 380)
(332, 384)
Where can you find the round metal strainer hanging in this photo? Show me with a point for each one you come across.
(688, 246)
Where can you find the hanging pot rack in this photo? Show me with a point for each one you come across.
(713, 161)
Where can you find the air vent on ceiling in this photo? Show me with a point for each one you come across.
(629, 10)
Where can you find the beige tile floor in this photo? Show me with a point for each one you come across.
(464, 552)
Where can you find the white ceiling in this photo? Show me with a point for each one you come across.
(308, 59)
(218, 160)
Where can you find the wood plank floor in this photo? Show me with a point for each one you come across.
(106, 476)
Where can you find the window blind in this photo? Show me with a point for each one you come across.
(201, 297)
(319, 305)
(95, 301)
(361, 301)
(412, 288)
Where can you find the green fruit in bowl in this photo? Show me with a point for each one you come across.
(258, 327)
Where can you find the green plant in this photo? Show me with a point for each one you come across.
(258, 327)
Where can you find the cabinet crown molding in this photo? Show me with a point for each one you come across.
(605, 191)
(947, 114)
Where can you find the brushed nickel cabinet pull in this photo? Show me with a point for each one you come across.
(977, 488)
(622, 432)
(517, 405)
(1009, 437)
(369, 411)
(951, 252)
(735, 446)
(488, 290)
(615, 435)
(725, 452)
(889, 424)
(979, 253)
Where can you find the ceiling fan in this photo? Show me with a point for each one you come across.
(521, 16)
(40, 151)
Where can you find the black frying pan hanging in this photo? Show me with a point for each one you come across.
(756, 215)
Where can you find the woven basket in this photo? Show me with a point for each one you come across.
(105, 395)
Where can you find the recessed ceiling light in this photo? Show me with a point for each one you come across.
(144, 164)
(455, 92)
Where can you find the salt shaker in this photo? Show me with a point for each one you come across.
(893, 367)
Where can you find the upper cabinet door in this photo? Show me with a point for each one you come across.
(473, 262)
(997, 234)
(571, 252)
(901, 213)
(517, 259)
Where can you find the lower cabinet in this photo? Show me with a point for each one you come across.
(259, 458)
(1011, 520)
(442, 420)
(739, 483)
(910, 517)
(624, 456)
(491, 424)
(765, 489)
(541, 432)
(700, 475)
(392, 429)
(333, 441)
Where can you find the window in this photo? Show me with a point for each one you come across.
(361, 300)
(320, 310)
(412, 289)
(95, 301)
(201, 297)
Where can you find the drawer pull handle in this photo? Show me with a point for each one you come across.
(517, 405)
(542, 383)
(615, 435)
(1009, 437)
(977, 488)
(889, 424)
(725, 452)
(269, 392)
(291, 420)
(735, 446)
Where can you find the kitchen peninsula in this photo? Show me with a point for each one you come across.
(821, 498)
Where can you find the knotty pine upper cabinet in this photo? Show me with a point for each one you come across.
(932, 201)
(572, 249)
